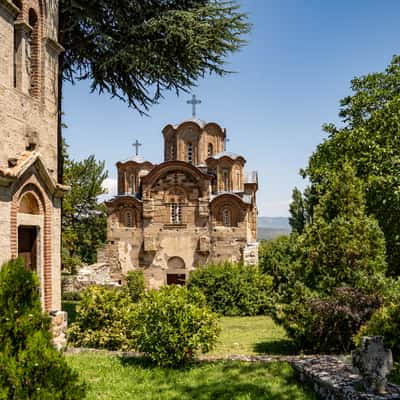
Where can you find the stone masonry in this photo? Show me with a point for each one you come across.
(30, 192)
(196, 207)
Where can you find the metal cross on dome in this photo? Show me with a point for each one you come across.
(193, 102)
(137, 144)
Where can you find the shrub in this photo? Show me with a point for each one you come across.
(173, 324)
(30, 366)
(233, 289)
(103, 320)
(328, 324)
(72, 296)
(384, 322)
(135, 285)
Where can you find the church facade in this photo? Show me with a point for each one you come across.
(196, 207)
(30, 192)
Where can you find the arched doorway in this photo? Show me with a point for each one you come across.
(176, 271)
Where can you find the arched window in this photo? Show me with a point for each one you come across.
(210, 150)
(32, 54)
(133, 186)
(189, 151)
(226, 217)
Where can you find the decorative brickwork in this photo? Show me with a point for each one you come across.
(29, 192)
(192, 209)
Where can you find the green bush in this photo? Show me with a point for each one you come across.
(135, 285)
(103, 319)
(233, 289)
(30, 366)
(72, 296)
(173, 324)
(327, 324)
(384, 322)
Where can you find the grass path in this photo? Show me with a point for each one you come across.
(252, 335)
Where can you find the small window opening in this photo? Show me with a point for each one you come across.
(190, 152)
(210, 150)
(226, 217)
(176, 213)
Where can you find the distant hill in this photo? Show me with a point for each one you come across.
(270, 227)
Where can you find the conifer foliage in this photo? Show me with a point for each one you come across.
(30, 367)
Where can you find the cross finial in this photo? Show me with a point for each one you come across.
(193, 102)
(137, 144)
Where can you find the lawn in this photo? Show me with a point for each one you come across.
(252, 335)
(112, 377)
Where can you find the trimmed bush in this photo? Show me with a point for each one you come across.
(103, 319)
(72, 296)
(327, 324)
(30, 366)
(135, 285)
(233, 289)
(173, 324)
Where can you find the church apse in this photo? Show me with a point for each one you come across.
(192, 209)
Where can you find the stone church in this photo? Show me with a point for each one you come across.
(196, 207)
(30, 192)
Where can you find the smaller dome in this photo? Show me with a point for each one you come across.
(233, 156)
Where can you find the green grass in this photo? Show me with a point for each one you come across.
(112, 377)
(252, 335)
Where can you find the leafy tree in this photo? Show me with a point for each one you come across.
(343, 245)
(135, 50)
(30, 366)
(297, 219)
(370, 140)
(83, 218)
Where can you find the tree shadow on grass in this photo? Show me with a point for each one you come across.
(281, 347)
(223, 380)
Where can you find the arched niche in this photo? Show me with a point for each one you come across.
(175, 263)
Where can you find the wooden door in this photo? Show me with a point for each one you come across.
(176, 279)
(27, 246)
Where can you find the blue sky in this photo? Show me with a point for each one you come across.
(298, 63)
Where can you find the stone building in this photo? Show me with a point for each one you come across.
(196, 207)
(30, 192)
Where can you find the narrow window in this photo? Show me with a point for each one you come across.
(190, 152)
(32, 54)
(171, 151)
(176, 213)
(133, 188)
(210, 150)
(225, 180)
(17, 42)
(239, 187)
(129, 219)
(226, 217)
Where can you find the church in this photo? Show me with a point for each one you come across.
(30, 188)
(196, 207)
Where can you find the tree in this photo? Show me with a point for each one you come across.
(83, 217)
(30, 366)
(135, 50)
(343, 245)
(297, 219)
(370, 140)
